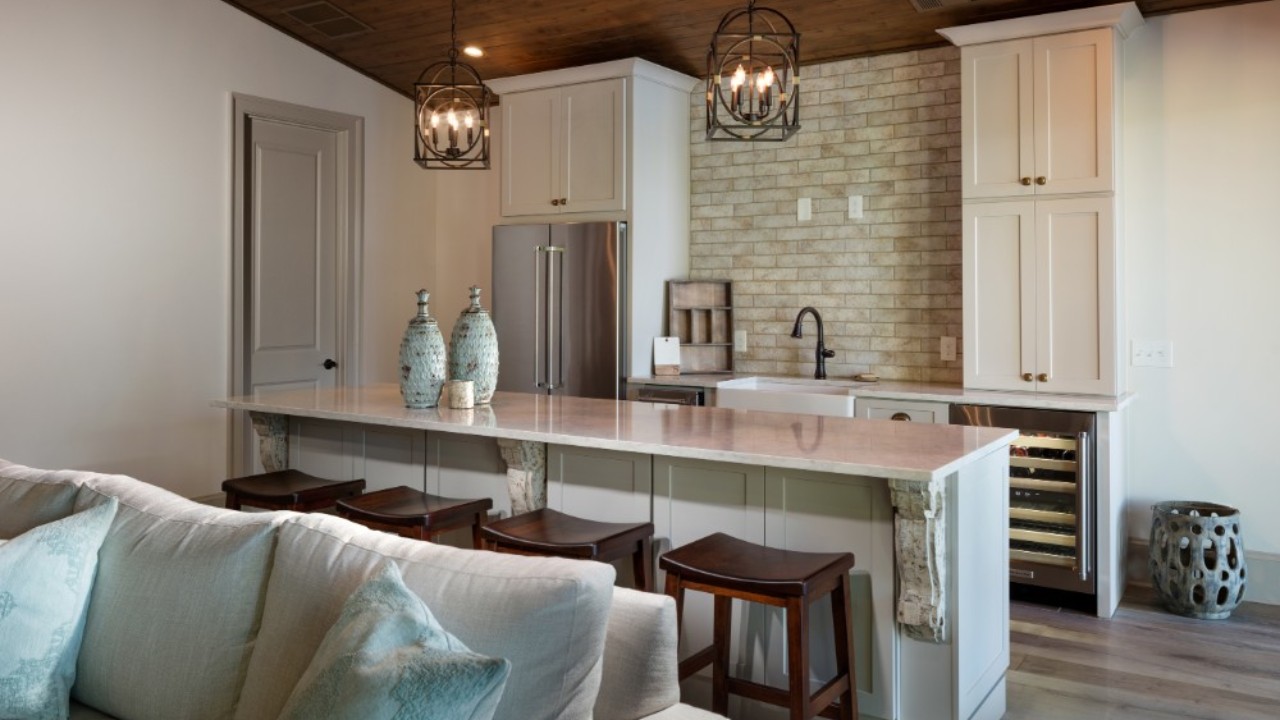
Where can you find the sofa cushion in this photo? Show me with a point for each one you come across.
(30, 497)
(45, 577)
(388, 658)
(546, 615)
(640, 667)
(175, 607)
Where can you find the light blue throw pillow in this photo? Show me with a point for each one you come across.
(46, 574)
(387, 658)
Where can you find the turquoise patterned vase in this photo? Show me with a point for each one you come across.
(473, 350)
(422, 359)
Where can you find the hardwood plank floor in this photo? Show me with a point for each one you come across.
(1143, 664)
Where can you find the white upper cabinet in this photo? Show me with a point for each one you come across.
(1038, 115)
(564, 149)
(1040, 296)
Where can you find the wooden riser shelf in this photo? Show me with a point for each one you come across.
(700, 313)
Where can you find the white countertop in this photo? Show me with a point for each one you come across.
(877, 448)
(929, 392)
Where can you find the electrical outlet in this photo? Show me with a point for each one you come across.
(948, 346)
(804, 209)
(1152, 353)
(739, 341)
(855, 207)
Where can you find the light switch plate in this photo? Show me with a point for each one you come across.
(1152, 353)
(855, 207)
(739, 341)
(948, 346)
(804, 209)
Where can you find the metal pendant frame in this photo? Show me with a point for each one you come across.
(446, 95)
(763, 43)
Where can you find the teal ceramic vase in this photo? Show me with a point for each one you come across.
(422, 359)
(473, 350)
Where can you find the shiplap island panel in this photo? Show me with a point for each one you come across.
(922, 507)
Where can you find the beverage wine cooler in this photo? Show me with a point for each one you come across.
(1051, 494)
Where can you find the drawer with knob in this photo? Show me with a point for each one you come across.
(901, 410)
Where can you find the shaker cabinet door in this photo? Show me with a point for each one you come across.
(1073, 113)
(530, 152)
(593, 168)
(999, 295)
(997, 141)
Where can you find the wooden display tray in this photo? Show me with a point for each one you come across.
(700, 313)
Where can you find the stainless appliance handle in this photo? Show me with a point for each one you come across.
(538, 252)
(1083, 501)
(555, 287)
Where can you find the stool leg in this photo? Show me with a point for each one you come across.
(720, 664)
(676, 591)
(477, 541)
(798, 656)
(233, 501)
(842, 617)
(640, 565)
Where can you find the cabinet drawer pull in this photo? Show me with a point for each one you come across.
(1043, 377)
(900, 417)
(1027, 377)
(1025, 181)
(1042, 180)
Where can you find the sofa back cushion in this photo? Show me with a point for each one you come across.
(30, 498)
(175, 607)
(547, 616)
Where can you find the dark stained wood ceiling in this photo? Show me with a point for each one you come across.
(534, 35)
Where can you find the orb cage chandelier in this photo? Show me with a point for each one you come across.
(752, 77)
(451, 113)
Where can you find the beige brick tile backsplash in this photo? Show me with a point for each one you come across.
(888, 284)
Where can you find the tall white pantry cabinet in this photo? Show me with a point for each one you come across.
(1039, 161)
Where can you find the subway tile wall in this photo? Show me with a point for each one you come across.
(887, 285)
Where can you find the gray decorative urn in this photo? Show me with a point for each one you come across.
(422, 359)
(1197, 558)
(473, 350)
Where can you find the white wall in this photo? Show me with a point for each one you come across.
(115, 215)
(1202, 157)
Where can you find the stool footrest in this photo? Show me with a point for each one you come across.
(697, 661)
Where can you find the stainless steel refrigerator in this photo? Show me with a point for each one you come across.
(558, 306)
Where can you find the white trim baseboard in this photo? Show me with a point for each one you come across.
(1263, 572)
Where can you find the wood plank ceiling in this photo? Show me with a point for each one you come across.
(405, 36)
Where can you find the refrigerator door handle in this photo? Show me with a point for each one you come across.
(555, 286)
(538, 253)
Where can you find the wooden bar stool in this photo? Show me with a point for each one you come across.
(548, 532)
(731, 568)
(288, 490)
(414, 514)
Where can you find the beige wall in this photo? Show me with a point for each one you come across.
(887, 285)
(115, 243)
(1202, 148)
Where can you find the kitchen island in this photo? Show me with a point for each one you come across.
(922, 507)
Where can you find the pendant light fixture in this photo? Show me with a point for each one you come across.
(451, 112)
(753, 78)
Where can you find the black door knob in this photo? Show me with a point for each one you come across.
(329, 364)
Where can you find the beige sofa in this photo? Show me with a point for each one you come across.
(200, 613)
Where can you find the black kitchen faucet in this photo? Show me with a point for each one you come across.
(820, 353)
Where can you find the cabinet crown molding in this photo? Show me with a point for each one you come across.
(629, 67)
(1123, 17)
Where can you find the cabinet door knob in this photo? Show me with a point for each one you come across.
(1042, 180)
(900, 416)
(1028, 377)
(564, 201)
(1043, 377)
(1025, 181)
(555, 201)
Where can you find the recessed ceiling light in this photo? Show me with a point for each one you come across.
(473, 51)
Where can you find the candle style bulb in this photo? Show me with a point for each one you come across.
(735, 83)
(470, 124)
(452, 119)
(435, 127)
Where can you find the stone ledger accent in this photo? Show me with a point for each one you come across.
(920, 543)
(526, 474)
(888, 285)
(273, 440)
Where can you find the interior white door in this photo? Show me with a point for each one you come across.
(291, 263)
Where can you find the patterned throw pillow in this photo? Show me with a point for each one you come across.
(387, 657)
(46, 574)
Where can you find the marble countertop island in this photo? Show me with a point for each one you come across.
(902, 451)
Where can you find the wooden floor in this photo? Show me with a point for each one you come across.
(1143, 664)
